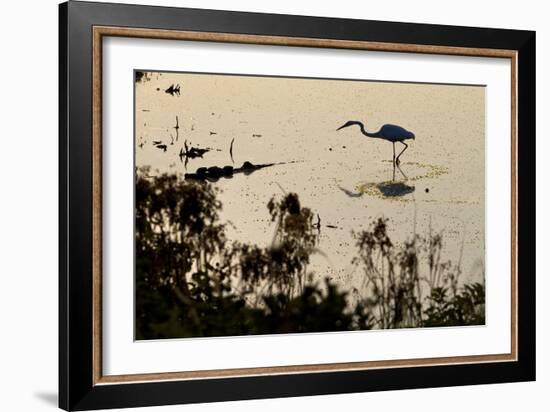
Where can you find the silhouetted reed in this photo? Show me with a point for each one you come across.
(397, 293)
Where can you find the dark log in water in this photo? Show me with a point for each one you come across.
(215, 172)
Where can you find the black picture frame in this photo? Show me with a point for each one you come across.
(77, 390)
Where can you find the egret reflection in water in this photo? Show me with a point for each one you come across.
(386, 189)
(395, 189)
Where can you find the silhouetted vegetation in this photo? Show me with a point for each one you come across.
(193, 281)
(142, 76)
(173, 90)
(397, 294)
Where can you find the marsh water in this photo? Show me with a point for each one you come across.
(344, 177)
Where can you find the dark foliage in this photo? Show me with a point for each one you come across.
(192, 281)
(398, 296)
(464, 308)
(142, 76)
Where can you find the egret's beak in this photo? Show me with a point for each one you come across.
(341, 127)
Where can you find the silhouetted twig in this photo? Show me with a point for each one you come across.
(177, 128)
(231, 150)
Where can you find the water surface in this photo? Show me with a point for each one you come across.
(343, 176)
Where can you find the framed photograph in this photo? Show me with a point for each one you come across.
(256, 205)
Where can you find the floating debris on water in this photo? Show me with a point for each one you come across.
(173, 90)
(142, 142)
(159, 145)
(191, 152)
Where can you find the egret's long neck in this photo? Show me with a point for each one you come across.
(365, 132)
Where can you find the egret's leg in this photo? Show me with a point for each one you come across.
(404, 175)
(399, 155)
(393, 152)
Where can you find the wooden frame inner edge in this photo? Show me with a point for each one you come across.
(100, 31)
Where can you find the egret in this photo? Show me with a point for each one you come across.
(389, 132)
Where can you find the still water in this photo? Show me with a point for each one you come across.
(344, 177)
